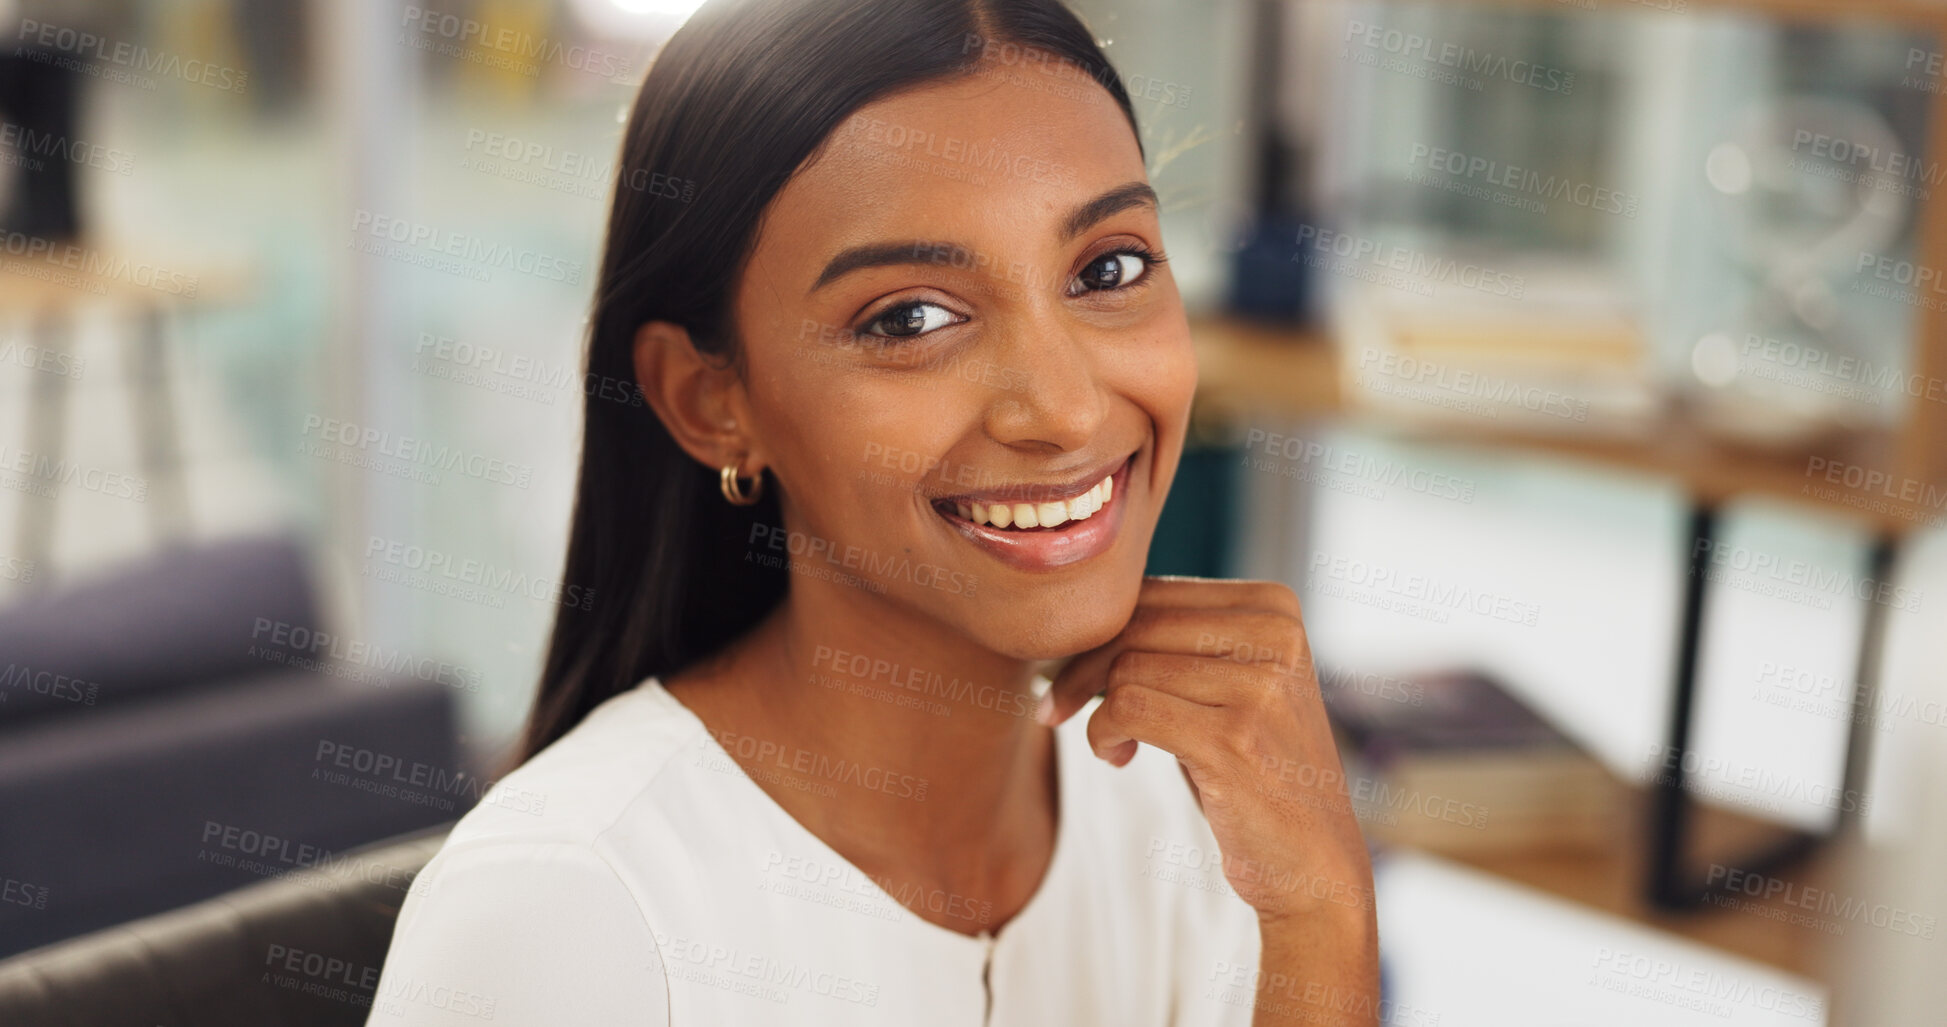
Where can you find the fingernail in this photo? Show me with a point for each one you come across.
(1045, 713)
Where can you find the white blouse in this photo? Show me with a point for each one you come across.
(634, 873)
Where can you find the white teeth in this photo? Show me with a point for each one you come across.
(1086, 503)
(1040, 515)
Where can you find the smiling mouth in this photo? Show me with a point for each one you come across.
(1044, 528)
(1032, 516)
(1038, 508)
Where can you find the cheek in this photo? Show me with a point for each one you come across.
(1182, 379)
(850, 450)
(1163, 380)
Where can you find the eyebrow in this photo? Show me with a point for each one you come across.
(901, 254)
(1108, 205)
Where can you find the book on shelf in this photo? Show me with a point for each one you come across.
(1452, 762)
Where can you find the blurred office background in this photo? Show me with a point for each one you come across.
(1581, 363)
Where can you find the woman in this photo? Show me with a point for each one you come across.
(915, 380)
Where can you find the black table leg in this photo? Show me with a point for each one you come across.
(1670, 883)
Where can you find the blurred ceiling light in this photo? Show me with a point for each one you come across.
(635, 19)
(1714, 360)
(1812, 301)
(676, 8)
(1728, 168)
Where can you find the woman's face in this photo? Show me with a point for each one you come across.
(954, 310)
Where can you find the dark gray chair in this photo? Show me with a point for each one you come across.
(163, 740)
(302, 950)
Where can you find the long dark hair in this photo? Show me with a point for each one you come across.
(737, 100)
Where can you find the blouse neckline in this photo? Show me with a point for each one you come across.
(1051, 878)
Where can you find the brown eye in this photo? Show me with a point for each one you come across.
(909, 319)
(1113, 271)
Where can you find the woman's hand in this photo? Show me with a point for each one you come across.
(1218, 673)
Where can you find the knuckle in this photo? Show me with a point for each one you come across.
(1130, 703)
(1290, 637)
(1272, 629)
(1268, 691)
(1240, 745)
(1128, 667)
(1221, 782)
(1275, 595)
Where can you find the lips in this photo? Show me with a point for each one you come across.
(1043, 527)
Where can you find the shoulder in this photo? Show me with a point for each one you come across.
(577, 788)
(522, 910)
(521, 932)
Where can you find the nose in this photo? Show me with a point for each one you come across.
(1055, 401)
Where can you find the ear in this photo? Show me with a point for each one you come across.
(700, 398)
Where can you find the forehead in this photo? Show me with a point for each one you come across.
(1005, 152)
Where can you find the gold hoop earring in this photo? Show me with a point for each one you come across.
(733, 490)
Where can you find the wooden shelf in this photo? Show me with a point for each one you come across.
(1917, 13)
(1244, 367)
(1610, 881)
(41, 283)
(1252, 366)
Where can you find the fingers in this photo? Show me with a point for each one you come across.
(1176, 629)
(1240, 634)
(1194, 677)
(1138, 713)
(1176, 703)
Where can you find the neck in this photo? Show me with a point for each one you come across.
(953, 770)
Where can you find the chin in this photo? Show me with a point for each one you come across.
(1053, 625)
